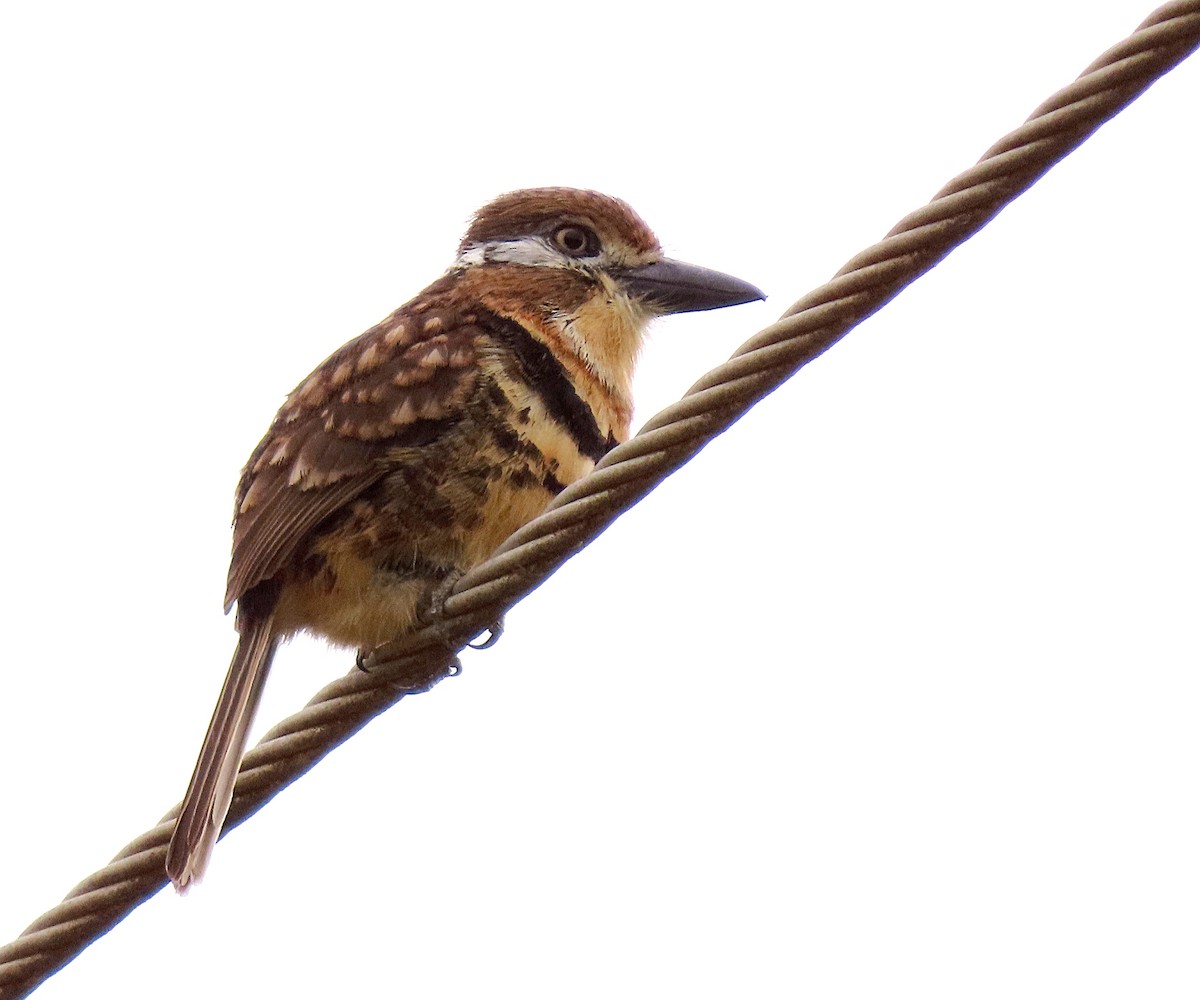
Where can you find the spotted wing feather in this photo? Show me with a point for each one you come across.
(396, 385)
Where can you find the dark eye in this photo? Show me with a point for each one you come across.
(577, 241)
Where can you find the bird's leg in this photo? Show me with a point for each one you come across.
(432, 615)
(428, 616)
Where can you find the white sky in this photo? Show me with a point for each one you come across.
(891, 692)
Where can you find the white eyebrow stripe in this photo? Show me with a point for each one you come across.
(531, 250)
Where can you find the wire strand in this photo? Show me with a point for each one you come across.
(582, 511)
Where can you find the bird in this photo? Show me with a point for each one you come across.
(414, 450)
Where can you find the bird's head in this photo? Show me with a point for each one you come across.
(594, 269)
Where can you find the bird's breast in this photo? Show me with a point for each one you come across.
(442, 507)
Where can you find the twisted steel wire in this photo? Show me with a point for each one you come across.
(417, 662)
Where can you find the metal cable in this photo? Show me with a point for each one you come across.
(627, 474)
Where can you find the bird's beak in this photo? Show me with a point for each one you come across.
(671, 286)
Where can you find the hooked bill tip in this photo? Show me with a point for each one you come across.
(671, 286)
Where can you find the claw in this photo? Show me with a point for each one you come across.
(494, 632)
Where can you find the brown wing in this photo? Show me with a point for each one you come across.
(330, 440)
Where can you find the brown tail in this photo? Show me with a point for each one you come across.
(211, 790)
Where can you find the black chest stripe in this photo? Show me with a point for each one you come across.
(547, 377)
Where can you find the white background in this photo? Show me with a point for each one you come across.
(891, 692)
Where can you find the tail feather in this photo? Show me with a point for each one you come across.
(211, 789)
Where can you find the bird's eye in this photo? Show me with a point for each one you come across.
(577, 241)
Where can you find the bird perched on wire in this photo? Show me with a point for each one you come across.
(412, 452)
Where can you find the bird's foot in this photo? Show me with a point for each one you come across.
(431, 616)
